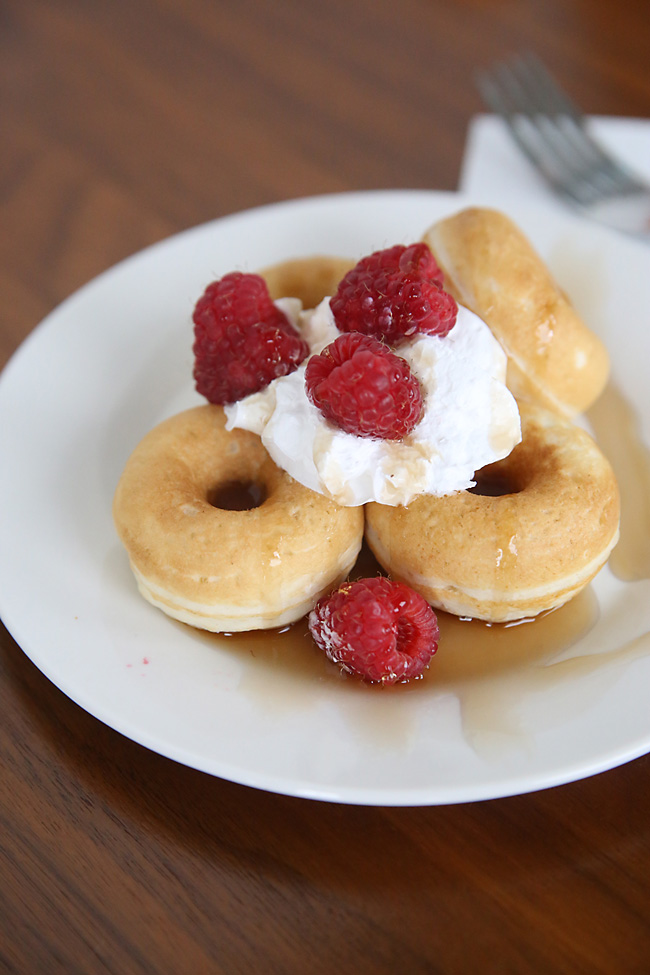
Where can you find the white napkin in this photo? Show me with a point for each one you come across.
(494, 169)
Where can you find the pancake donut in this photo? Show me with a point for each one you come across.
(544, 526)
(308, 278)
(221, 569)
(490, 266)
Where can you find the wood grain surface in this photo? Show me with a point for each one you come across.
(123, 121)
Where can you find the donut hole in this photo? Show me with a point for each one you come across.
(496, 481)
(237, 495)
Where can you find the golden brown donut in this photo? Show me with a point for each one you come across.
(220, 569)
(308, 278)
(490, 266)
(516, 554)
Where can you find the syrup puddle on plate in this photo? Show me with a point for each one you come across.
(616, 428)
(509, 680)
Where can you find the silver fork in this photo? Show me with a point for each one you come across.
(552, 132)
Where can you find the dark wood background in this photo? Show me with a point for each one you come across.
(122, 121)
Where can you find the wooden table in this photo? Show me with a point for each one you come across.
(123, 122)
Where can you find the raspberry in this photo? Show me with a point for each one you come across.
(362, 387)
(418, 259)
(379, 630)
(394, 293)
(242, 341)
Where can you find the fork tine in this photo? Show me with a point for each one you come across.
(533, 93)
(547, 94)
(503, 92)
(550, 129)
(546, 97)
(563, 124)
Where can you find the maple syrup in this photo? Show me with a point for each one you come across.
(616, 428)
(469, 649)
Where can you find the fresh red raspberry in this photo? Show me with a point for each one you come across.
(242, 341)
(418, 259)
(393, 294)
(377, 629)
(362, 387)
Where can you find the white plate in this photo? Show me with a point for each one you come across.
(113, 360)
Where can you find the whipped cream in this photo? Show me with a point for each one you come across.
(470, 419)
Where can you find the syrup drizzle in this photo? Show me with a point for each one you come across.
(616, 428)
(487, 668)
(498, 679)
(499, 675)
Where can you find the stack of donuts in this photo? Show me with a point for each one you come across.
(534, 531)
